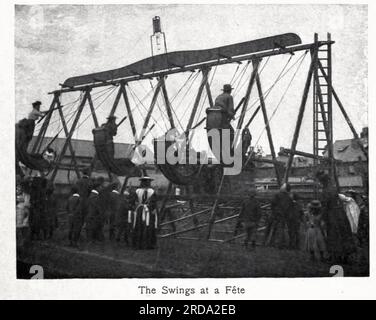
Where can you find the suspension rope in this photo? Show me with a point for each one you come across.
(281, 75)
(96, 108)
(72, 110)
(278, 105)
(240, 77)
(192, 76)
(141, 103)
(236, 70)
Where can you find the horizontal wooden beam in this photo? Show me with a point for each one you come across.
(255, 56)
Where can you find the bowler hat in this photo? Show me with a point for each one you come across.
(314, 204)
(146, 178)
(227, 87)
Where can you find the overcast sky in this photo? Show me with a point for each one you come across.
(54, 42)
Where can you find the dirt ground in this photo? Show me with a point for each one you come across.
(174, 258)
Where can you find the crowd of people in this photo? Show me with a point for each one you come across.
(333, 228)
(131, 217)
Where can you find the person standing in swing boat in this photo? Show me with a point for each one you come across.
(145, 220)
(225, 102)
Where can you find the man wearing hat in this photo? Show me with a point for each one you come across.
(114, 203)
(249, 217)
(95, 216)
(225, 101)
(35, 113)
(145, 220)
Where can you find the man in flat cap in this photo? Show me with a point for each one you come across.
(35, 113)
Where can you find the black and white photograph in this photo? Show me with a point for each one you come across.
(190, 141)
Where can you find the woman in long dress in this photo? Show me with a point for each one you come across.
(315, 236)
(145, 221)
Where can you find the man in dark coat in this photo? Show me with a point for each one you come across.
(277, 224)
(75, 216)
(38, 206)
(249, 216)
(225, 102)
(114, 202)
(50, 222)
(123, 219)
(95, 218)
(294, 219)
(84, 186)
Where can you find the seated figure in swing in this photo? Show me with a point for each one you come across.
(28, 125)
(111, 128)
(24, 134)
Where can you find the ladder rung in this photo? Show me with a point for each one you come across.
(323, 58)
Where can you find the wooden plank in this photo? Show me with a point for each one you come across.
(183, 231)
(157, 74)
(185, 217)
(185, 58)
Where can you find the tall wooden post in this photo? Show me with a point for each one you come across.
(256, 64)
(116, 101)
(167, 103)
(267, 126)
(129, 111)
(73, 155)
(150, 111)
(204, 80)
(299, 120)
(69, 137)
(46, 122)
(95, 119)
(210, 97)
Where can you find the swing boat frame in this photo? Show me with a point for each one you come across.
(159, 67)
